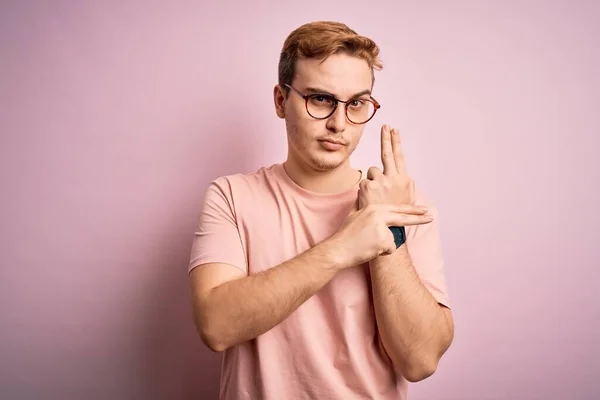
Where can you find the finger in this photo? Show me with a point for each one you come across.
(409, 209)
(413, 209)
(374, 173)
(387, 154)
(397, 151)
(397, 219)
(403, 208)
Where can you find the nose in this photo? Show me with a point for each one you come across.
(337, 121)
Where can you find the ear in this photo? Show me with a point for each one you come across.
(279, 100)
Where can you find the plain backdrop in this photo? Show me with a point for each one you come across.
(115, 115)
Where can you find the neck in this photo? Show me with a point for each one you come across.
(337, 180)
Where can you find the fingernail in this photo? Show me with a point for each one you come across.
(423, 208)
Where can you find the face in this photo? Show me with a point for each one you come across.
(323, 144)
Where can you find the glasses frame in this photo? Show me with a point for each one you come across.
(307, 97)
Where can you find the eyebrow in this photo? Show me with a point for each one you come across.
(314, 90)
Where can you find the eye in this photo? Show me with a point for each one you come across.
(357, 103)
(322, 100)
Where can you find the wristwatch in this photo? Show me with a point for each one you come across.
(399, 235)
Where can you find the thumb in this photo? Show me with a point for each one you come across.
(355, 206)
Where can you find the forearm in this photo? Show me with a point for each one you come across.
(414, 329)
(245, 308)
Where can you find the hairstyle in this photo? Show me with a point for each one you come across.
(319, 40)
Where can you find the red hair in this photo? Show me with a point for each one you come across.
(321, 39)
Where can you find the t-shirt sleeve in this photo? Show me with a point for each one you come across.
(424, 247)
(217, 237)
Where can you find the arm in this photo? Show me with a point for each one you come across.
(415, 329)
(231, 307)
(409, 293)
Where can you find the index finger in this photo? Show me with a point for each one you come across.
(387, 154)
(404, 208)
(395, 219)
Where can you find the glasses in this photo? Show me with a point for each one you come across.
(322, 105)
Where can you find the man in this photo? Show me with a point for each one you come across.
(295, 273)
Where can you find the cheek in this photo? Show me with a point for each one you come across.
(296, 135)
(355, 140)
(297, 114)
(302, 131)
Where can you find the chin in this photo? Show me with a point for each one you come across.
(327, 162)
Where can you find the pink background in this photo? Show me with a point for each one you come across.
(115, 116)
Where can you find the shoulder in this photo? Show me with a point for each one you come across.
(243, 184)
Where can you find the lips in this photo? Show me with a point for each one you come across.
(331, 145)
(334, 142)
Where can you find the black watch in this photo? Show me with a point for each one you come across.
(399, 235)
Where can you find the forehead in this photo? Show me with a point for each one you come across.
(340, 74)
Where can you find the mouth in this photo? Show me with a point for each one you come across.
(331, 145)
(337, 142)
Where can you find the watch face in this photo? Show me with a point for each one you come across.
(399, 235)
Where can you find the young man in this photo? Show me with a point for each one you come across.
(295, 273)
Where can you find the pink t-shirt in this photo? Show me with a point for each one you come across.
(329, 347)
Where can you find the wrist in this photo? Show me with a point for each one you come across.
(400, 258)
(333, 252)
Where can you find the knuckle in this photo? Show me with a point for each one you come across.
(374, 211)
(371, 208)
(381, 237)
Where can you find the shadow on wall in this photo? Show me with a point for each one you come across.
(174, 362)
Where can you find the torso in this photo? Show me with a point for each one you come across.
(328, 348)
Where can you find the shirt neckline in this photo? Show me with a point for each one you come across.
(317, 196)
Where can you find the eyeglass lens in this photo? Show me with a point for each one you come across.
(358, 110)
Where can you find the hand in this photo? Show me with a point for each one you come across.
(393, 185)
(365, 233)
